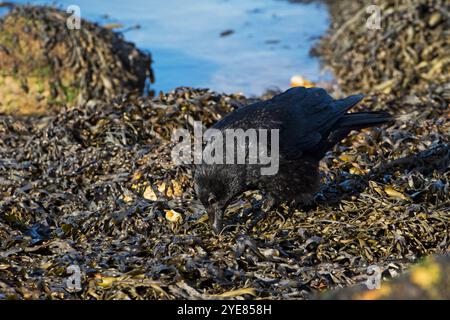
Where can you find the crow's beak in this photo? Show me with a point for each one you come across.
(215, 215)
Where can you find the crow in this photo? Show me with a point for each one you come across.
(309, 122)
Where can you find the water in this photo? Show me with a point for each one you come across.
(270, 42)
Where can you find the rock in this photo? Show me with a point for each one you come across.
(44, 64)
(429, 279)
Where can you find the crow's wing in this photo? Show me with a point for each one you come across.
(304, 117)
(308, 118)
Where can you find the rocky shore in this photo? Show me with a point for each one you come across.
(93, 186)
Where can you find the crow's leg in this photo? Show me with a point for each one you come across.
(303, 201)
(291, 208)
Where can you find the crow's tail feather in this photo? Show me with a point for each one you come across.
(349, 122)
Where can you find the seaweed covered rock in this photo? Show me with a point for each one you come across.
(43, 63)
(408, 54)
(429, 279)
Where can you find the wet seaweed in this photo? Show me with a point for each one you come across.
(98, 181)
(94, 186)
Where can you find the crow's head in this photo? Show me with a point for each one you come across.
(215, 189)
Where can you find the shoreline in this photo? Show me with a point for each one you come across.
(93, 186)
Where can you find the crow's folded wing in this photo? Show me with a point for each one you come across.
(310, 119)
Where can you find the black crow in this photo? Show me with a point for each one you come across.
(310, 123)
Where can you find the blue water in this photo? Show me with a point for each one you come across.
(270, 42)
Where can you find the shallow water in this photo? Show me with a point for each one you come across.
(269, 44)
